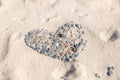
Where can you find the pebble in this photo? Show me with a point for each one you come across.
(97, 75)
(58, 45)
(110, 71)
(110, 34)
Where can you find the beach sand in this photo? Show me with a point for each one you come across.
(98, 61)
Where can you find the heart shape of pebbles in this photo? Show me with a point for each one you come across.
(65, 44)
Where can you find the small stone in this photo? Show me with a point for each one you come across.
(67, 60)
(51, 54)
(76, 25)
(83, 32)
(60, 35)
(109, 68)
(114, 36)
(70, 59)
(109, 34)
(109, 73)
(73, 49)
(32, 46)
(67, 24)
(97, 75)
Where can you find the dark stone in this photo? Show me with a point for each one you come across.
(109, 68)
(54, 56)
(73, 49)
(60, 35)
(66, 59)
(96, 75)
(114, 36)
(72, 71)
(109, 73)
(67, 24)
(76, 25)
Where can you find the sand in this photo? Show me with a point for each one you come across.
(100, 19)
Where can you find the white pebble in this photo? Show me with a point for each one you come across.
(106, 34)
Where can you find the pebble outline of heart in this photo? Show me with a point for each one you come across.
(49, 43)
